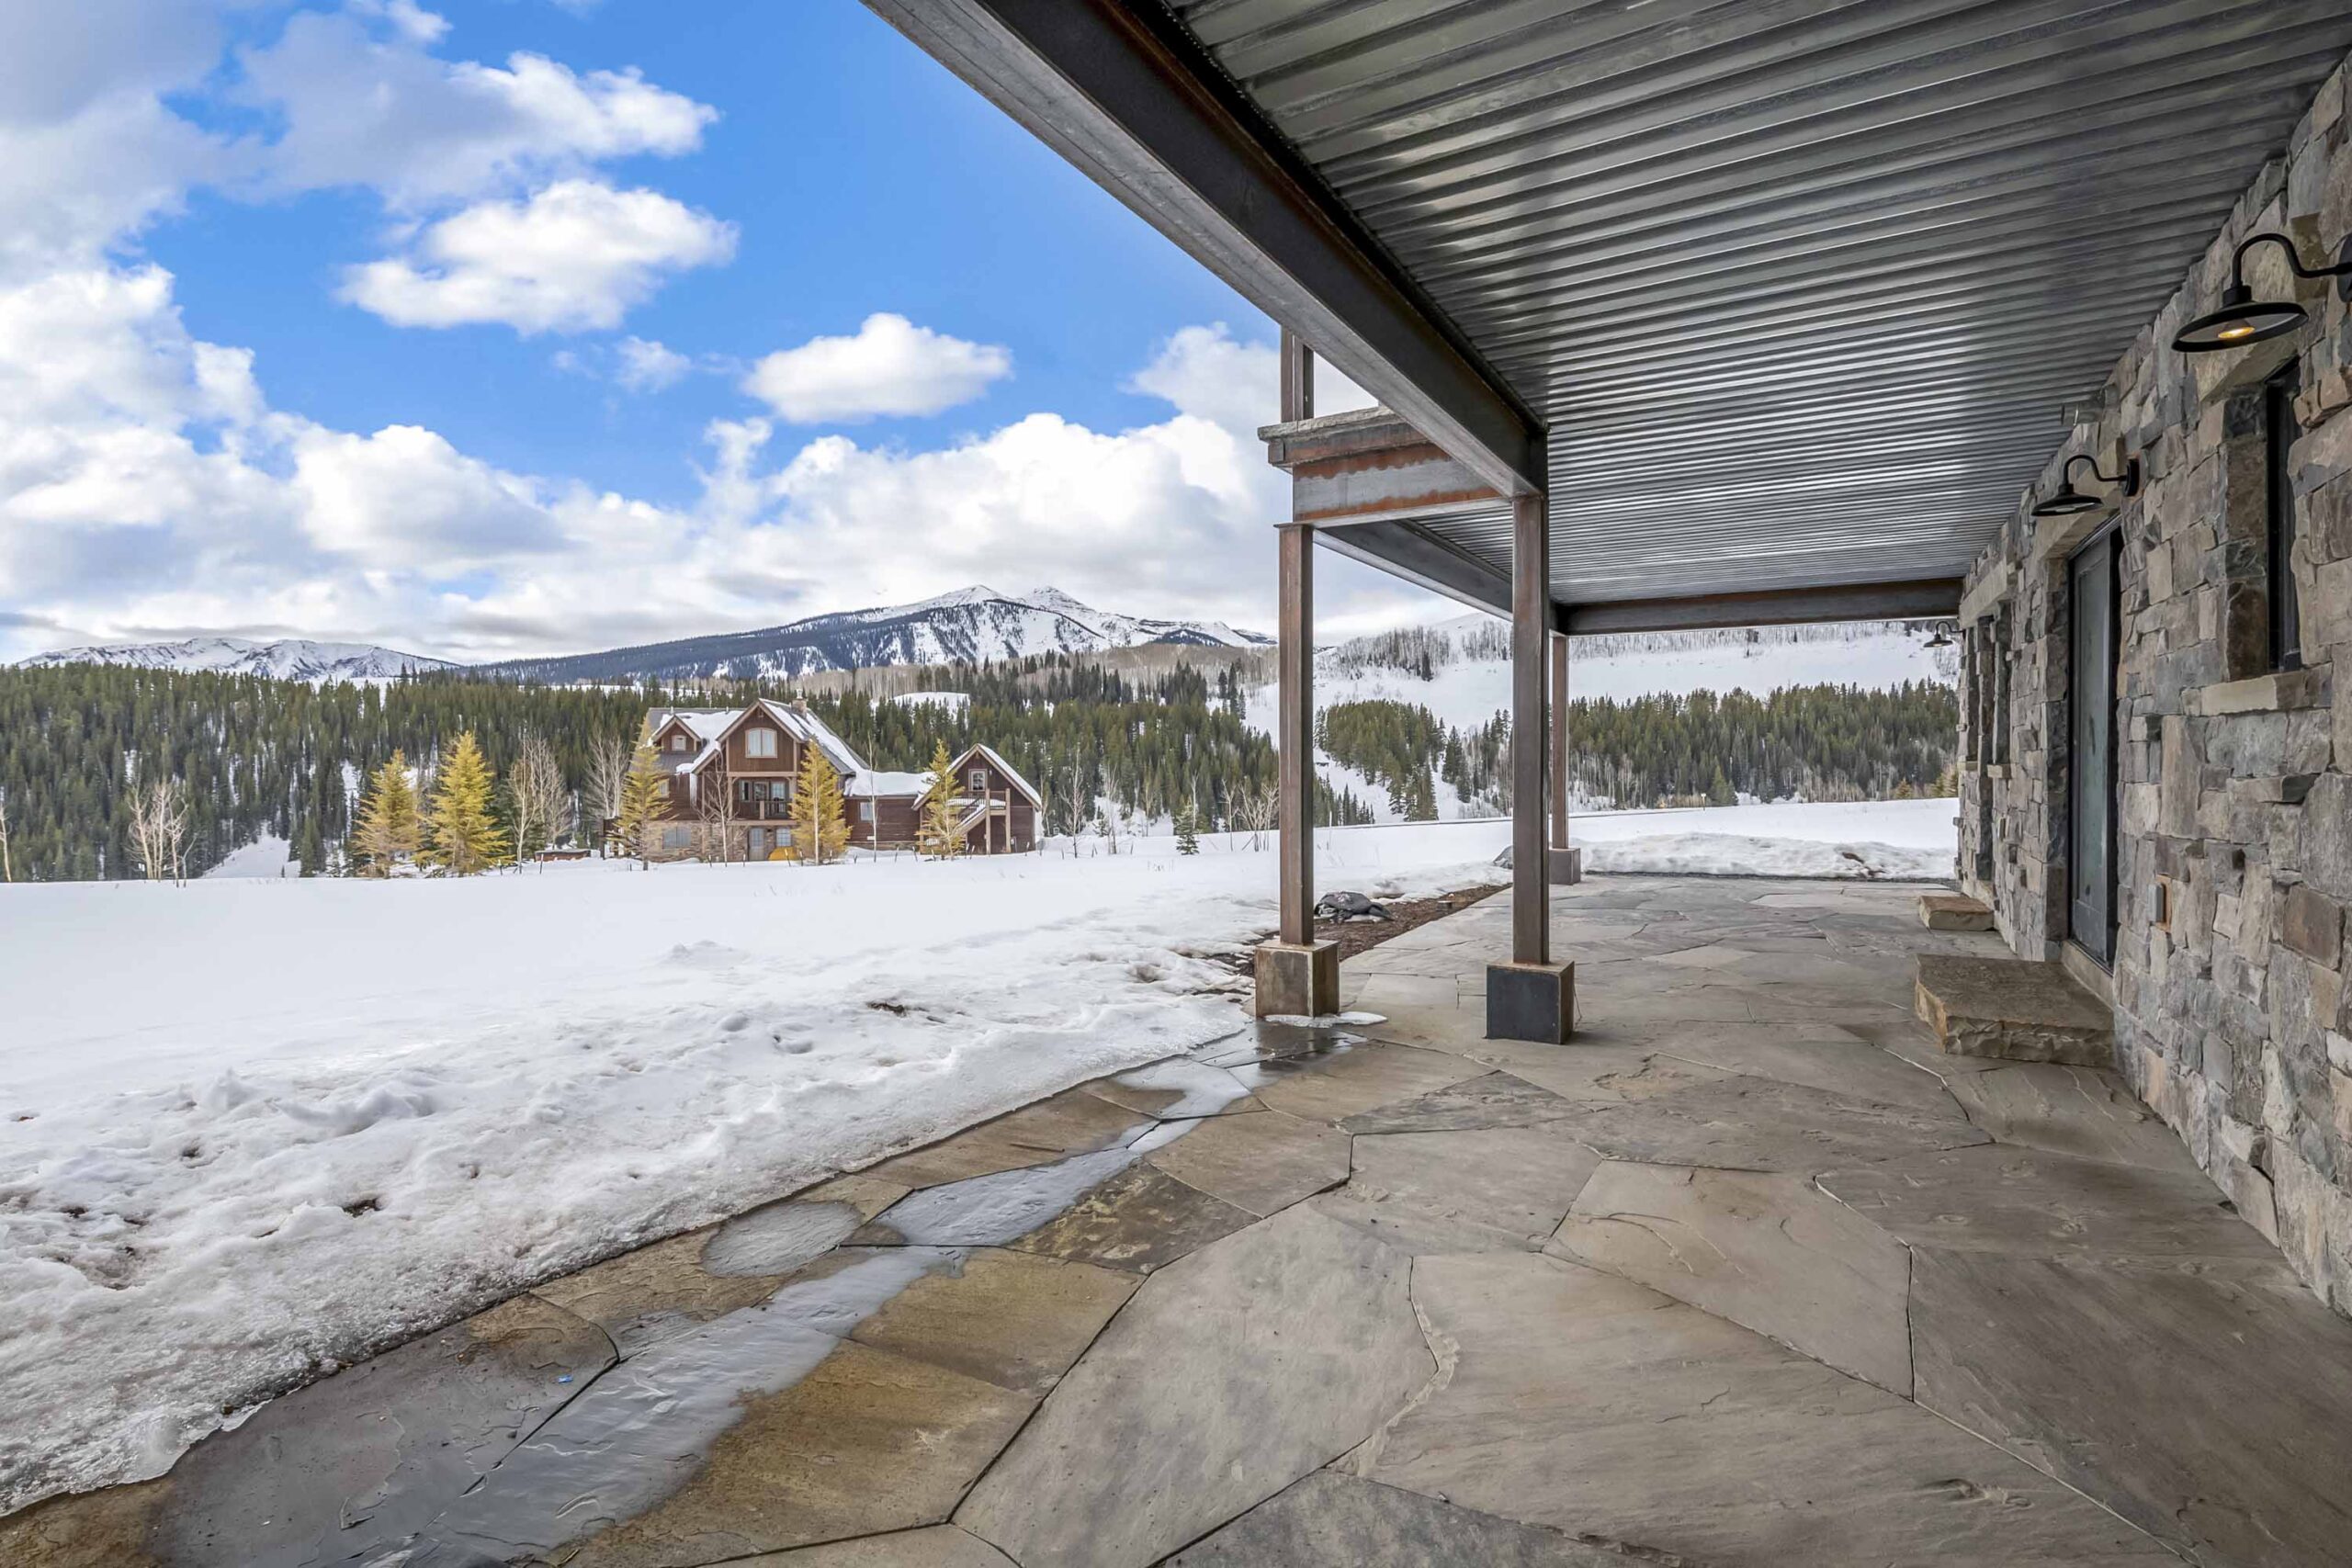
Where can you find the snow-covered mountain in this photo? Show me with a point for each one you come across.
(287, 659)
(971, 624)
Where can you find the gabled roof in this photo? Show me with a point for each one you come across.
(1013, 774)
(713, 726)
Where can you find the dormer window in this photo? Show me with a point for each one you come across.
(977, 780)
(759, 743)
(677, 742)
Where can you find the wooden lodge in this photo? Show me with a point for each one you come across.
(732, 780)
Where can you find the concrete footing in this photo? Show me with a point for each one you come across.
(1568, 865)
(1532, 1002)
(1297, 981)
(2013, 1009)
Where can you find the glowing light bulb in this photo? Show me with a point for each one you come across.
(2239, 331)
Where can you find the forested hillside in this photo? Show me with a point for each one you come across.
(260, 756)
(1809, 742)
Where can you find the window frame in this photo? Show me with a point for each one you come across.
(760, 743)
(2281, 524)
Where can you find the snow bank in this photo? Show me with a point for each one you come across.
(249, 1130)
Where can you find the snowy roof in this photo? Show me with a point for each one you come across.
(1007, 768)
(877, 781)
(712, 725)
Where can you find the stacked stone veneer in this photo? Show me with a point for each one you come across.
(2234, 821)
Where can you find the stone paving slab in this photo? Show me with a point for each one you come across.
(1752, 1123)
(1227, 1377)
(1769, 1252)
(1008, 1318)
(2088, 1111)
(1139, 1219)
(1845, 1066)
(1340, 1084)
(1262, 1163)
(1176, 1090)
(867, 1442)
(1595, 1406)
(1464, 1191)
(349, 1465)
(2205, 1400)
(1330, 1520)
(1999, 1199)
(672, 1285)
(2012, 1008)
(940, 1546)
(1070, 1122)
(1498, 1100)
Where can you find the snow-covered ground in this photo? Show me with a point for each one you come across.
(250, 1129)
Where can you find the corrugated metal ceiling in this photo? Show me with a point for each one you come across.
(1799, 285)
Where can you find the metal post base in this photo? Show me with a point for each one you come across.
(1530, 1001)
(1298, 981)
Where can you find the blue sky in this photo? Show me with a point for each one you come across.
(494, 326)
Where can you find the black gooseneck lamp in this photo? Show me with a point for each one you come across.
(2242, 318)
(2070, 501)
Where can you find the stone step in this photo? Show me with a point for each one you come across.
(2013, 1009)
(1954, 912)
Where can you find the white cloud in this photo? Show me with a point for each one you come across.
(1203, 371)
(889, 366)
(369, 106)
(574, 257)
(649, 366)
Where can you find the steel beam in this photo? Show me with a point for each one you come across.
(1559, 744)
(1295, 734)
(1530, 629)
(1297, 401)
(1922, 599)
(1124, 93)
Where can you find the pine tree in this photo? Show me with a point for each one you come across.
(461, 836)
(935, 835)
(820, 825)
(645, 790)
(387, 831)
(1188, 829)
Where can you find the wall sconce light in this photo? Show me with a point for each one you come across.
(2242, 318)
(1941, 640)
(2070, 501)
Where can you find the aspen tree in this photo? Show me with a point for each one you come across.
(935, 836)
(820, 825)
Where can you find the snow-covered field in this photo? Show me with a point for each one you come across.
(250, 1128)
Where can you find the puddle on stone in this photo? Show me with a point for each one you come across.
(1201, 1090)
(778, 1238)
(1166, 1132)
(988, 1210)
(643, 1429)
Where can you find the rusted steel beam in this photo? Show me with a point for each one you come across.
(1920, 599)
(1298, 378)
(1127, 94)
(1368, 464)
(1408, 551)
(1295, 729)
(1530, 629)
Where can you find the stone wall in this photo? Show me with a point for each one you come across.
(2234, 779)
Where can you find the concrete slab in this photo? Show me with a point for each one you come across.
(1261, 1163)
(1595, 1406)
(1229, 1376)
(1771, 1253)
(1996, 1199)
(1332, 1520)
(2014, 1009)
(2202, 1399)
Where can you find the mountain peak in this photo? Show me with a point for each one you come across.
(292, 658)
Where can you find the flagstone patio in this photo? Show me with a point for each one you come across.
(1747, 1274)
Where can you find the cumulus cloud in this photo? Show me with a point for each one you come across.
(369, 105)
(574, 257)
(889, 366)
(649, 366)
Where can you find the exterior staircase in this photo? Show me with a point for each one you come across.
(2013, 1009)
